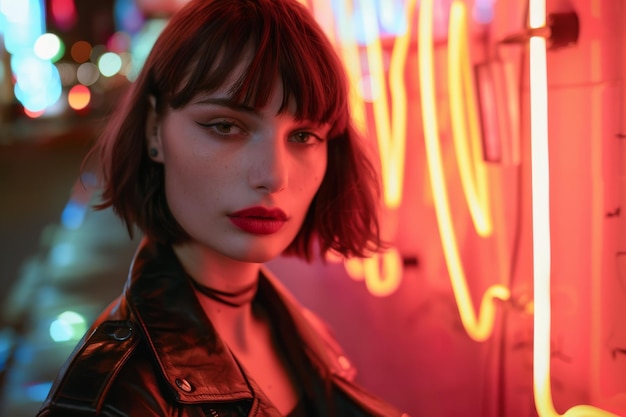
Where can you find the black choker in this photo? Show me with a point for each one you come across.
(233, 299)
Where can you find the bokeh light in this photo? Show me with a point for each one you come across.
(79, 97)
(62, 254)
(87, 73)
(119, 42)
(128, 17)
(33, 114)
(38, 392)
(73, 215)
(49, 47)
(15, 11)
(142, 44)
(69, 325)
(81, 51)
(109, 64)
(63, 13)
(38, 83)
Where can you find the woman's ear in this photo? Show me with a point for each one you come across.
(153, 133)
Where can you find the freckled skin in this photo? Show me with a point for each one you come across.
(250, 159)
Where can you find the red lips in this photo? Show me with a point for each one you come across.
(259, 220)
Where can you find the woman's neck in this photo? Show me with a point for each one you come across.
(245, 327)
(214, 270)
(220, 274)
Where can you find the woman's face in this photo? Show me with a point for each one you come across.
(239, 180)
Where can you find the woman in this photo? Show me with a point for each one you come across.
(235, 145)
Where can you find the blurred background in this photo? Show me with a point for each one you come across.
(499, 127)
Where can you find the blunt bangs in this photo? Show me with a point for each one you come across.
(271, 46)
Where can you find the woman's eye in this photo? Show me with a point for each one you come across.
(223, 127)
(306, 138)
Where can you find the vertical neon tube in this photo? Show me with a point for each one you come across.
(540, 227)
(349, 51)
(540, 181)
(465, 124)
(391, 136)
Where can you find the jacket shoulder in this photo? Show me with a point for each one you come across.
(89, 372)
(335, 353)
(345, 373)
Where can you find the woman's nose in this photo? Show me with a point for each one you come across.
(269, 171)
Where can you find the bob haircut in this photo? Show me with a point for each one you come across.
(195, 53)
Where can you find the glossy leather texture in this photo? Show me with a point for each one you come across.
(153, 352)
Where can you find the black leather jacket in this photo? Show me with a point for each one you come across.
(153, 352)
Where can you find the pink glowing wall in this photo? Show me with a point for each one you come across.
(411, 346)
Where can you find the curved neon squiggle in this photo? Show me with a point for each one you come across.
(387, 282)
(391, 136)
(478, 328)
(378, 283)
(540, 178)
(463, 111)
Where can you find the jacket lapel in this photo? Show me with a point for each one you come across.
(194, 361)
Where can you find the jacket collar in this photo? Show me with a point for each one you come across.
(193, 359)
(184, 342)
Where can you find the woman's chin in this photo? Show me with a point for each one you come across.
(258, 255)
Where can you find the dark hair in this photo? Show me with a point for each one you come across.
(196, 52)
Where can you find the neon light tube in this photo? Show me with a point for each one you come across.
(540, 180)
(378, 283)
(397, 89)
(391, 136)
(462, 97)
(386, 282)
(349, 51)
(391, 151)
(478, 328)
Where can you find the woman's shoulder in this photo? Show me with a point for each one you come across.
(341, 365)
(92, 368)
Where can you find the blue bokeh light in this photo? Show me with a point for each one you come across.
(68, 326)
(73, 215)
(38, 392)
(38, 82)
(62, 254)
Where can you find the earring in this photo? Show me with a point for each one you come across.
(153, 152)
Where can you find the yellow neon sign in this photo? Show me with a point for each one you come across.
(381, 272)
(391, 136)
(465, 122)
(478, 327)
(391, 145)
(540, 179)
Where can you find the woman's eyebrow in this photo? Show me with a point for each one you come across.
(231, 104)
